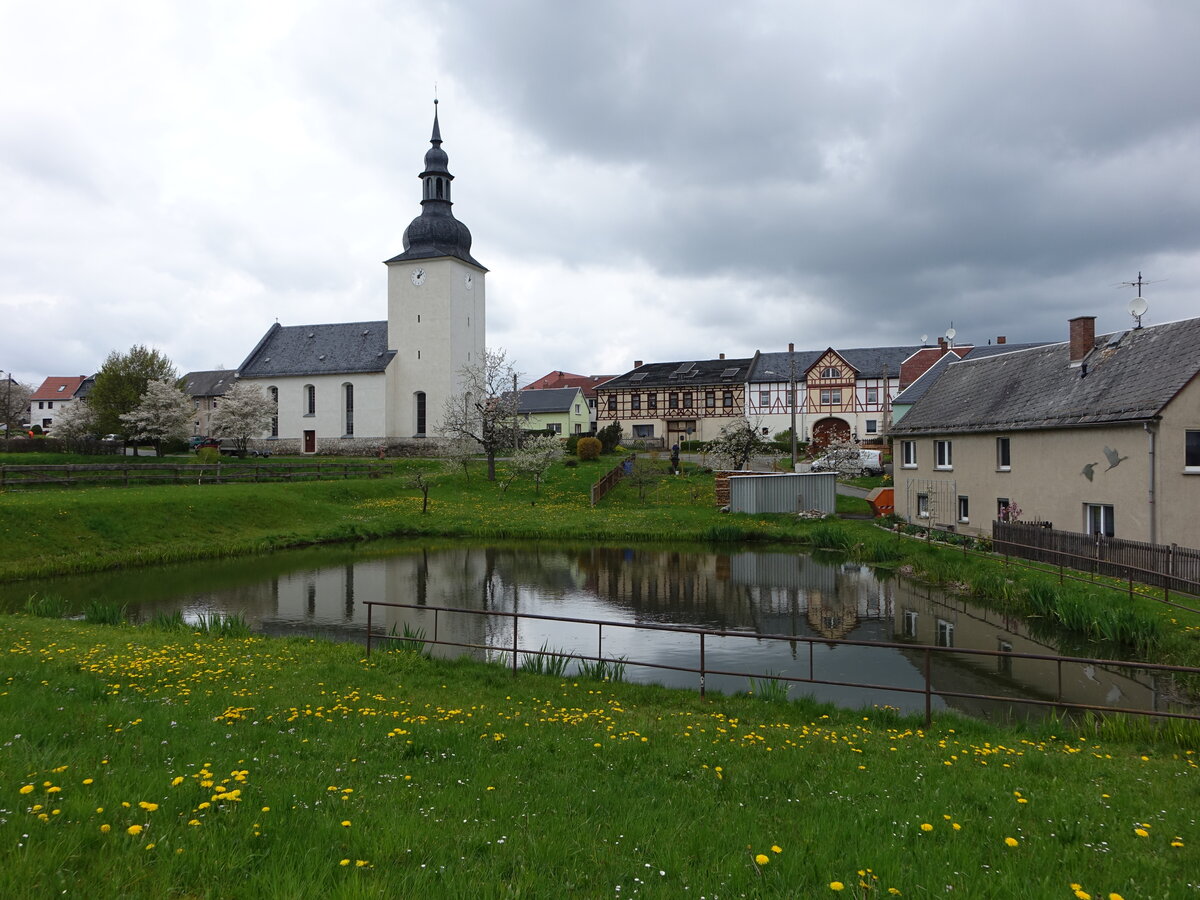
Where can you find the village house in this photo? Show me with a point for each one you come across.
(1099, 435)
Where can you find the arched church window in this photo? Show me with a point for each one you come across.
(348, 393)
(419, 397)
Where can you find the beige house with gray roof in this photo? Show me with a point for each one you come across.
(1094, 435)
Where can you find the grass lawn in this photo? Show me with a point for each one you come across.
(148, 763)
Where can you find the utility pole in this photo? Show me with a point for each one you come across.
(792, 397)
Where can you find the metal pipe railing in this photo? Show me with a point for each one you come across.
(929, 652)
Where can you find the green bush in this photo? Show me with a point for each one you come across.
(588, 448)
(609, 436)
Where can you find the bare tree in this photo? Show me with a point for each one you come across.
(244, 412)
(485, 411)
(162, 414)
(458, 454)
(738, 443)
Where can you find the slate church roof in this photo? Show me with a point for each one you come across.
(319, 350)
(1128, 376)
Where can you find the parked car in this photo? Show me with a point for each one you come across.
(850, 462)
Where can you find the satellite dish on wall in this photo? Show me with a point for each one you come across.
(924, 339)
(1137, 309)
(951, 334)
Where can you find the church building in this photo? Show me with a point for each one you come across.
(352, 387)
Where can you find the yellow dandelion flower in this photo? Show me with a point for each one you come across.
(105, 829)
(762, 859)
(194, 822)
(1115, 896)
(361, 862)
(148, 807)
(1141, 832)
(836, 886)
(775, 848)
(1011, 841)
(27, 789)
(134, 830)
(177, 781)
(88, 780)
(266, 809)
(344, 862)
(925, 826)
(1083, 895)
(346, 823)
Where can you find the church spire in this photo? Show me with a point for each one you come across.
(435, 232)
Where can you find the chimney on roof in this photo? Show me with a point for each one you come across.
(637, 363)
(791, 347)
(1083, 338)
(721, 356)
(1001, 339)
(942, 344)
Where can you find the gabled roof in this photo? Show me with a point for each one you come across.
(925, 381)
(868, 362)
(683, 375)
(58, 387)
(319, 350)
(586, 383)
(546, 400)
(1129, 376)
(212, 383)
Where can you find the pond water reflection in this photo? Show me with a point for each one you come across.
(751, 592)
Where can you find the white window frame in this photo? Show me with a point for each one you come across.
(943, 455)
(964, 508)
(908, 454)
(922, 506)
(1003, 450)
(872, 395)
(1107, 516)
(872, 426)
(1191, 447)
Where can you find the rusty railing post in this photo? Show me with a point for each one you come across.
(928, 691)
(701, 664)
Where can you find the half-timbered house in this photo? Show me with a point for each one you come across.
(839, 394)
(675, 401)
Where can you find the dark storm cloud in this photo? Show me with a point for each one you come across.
(909, 162)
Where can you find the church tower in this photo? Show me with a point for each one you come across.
(435, 306)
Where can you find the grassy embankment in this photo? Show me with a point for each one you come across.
(147, 763)
(58, 531)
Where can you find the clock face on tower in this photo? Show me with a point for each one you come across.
(469, 281)
(418, 277)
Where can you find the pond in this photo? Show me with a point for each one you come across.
(323, 592)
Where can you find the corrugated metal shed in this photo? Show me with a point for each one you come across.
(787, 493)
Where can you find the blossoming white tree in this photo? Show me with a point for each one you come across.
(162, 414)
(74, 421)
(244, 412)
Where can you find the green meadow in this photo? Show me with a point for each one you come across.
(139, 762)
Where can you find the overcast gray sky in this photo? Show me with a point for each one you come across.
(645, 180)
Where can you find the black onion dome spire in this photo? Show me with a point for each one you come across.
(435, 232)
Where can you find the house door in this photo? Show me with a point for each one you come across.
(829, 430)
(310, 442)
(679, 429)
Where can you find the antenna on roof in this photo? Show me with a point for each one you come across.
(951, 334)
(1138, 305)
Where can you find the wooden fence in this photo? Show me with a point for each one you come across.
(609, 481)
(1166, 566)
(25, 477)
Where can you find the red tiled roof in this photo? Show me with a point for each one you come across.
(586, 383)
(58, 387)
